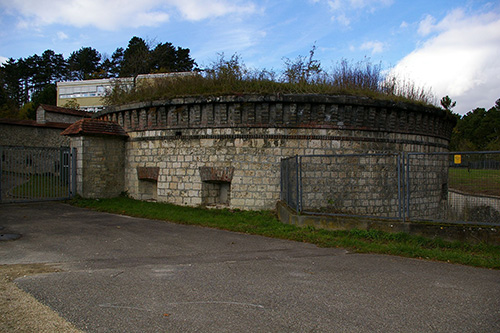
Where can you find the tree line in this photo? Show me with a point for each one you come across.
(27, 82)
(477, 130)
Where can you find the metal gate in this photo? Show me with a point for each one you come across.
(36, 173)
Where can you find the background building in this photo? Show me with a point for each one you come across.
(88, 94)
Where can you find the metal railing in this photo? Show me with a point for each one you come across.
(447, 187)
(36, 173)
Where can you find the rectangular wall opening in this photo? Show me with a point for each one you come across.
(148, 190)
(216, 185)
(148, 182)
(215, 194)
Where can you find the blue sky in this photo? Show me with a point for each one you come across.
(450, 47)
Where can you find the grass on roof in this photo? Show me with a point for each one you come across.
(303, 75)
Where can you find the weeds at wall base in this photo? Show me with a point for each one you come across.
(265, 223)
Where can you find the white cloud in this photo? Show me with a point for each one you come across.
(369, 3)
(335, 4)
(3, 60)
(61, 35)
(426, 26)
(342, 19)
(462, 59)
(106, 15)
(345, 10)
(375, 46)
(195, 10)
(114, 14)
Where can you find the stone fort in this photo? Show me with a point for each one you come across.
(225, 151)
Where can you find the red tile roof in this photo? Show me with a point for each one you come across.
(27, 122)
(58, 109)
(95, 127)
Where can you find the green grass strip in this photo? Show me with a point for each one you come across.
(265, 223)
(42, 187)
(475, 181)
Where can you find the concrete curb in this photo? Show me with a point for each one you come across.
(451, 232)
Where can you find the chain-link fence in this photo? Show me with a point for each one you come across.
(451, 187)
(355, 184)
(458, 186)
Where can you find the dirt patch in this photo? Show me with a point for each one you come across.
(21, 312)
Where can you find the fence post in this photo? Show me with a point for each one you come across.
(400, 208)
(407, 184)
(1, 171)
(403, 184)
(281, 179)
(73, 172)
(289, 188)
(300, 184)
(297, 182)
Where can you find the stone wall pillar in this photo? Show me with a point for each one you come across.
(100, 164)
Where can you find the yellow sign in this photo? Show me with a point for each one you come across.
(458, 159)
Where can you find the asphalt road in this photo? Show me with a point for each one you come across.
(122, 274)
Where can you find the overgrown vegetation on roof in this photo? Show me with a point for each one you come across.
(303, 75)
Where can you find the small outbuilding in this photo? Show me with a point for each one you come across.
(56, 114)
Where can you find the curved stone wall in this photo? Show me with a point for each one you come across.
(192, 142)
(284, 111)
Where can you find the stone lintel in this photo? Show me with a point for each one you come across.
(148, 173)
(216, 175)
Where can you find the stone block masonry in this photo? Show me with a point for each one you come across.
(254, 156)
(31, 134)
(247, 136)
(362, 184)
(100, 166)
